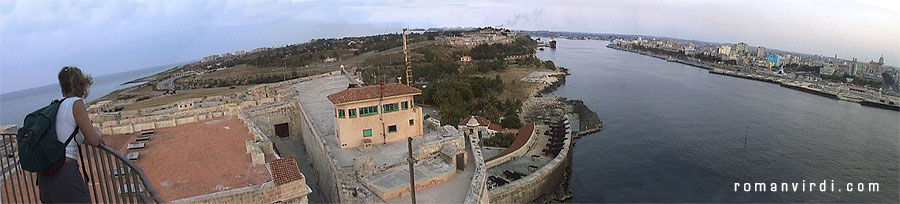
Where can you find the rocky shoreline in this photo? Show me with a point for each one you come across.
(589, 122)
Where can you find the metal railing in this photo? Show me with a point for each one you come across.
(111, 178)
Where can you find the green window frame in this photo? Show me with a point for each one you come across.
(341, 113)
(391, 107)
(366, 111)
(404, 105)
(367, 133)
(352, 112)
(392, 128)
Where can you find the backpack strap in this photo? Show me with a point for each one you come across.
(72, 136)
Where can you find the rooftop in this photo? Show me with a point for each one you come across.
(482, 121)
(196, 158)
(312, 97)
(371, 92)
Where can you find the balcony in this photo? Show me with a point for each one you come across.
(110, 176)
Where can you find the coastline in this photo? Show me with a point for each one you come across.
(588, 122)
(772, 80)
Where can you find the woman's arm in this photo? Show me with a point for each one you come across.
(91, 135)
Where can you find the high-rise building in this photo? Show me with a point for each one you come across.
(741, 49)
(761, 52)
(773, 60)
(881, 60)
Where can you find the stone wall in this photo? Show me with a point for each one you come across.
(267, 117)
(267, 192)
(326, 167)
(161, 122)
(428, 149)
(477, 192)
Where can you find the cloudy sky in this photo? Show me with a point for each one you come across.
(104, 37)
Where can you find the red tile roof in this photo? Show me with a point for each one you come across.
(522, 137)
(285, 170)
(371, 92)
(482, 121)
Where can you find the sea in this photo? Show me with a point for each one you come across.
(675, 133)
(15, 105)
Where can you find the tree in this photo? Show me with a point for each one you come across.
(511, 121)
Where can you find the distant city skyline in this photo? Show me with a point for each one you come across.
(105, 37)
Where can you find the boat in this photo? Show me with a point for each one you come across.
(810, 90)
(880, 105)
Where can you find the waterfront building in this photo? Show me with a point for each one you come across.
(724, 51)
(828, 69)
(773, 60)
(741, 49)
(760, 52)
(689, 50)
(376, 114)
(855, 68)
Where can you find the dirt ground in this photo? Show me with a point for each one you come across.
(515, 87)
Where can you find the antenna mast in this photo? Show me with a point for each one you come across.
(406, 58)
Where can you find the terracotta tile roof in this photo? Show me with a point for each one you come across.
(285, 170)
(482, 121)
(522, 137)
(371, 92)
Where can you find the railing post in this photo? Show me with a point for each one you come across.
(119, 179)
(102, 173)
(115, 181)
(5, 167)
(129, 191)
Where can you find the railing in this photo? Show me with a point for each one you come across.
(111, 178)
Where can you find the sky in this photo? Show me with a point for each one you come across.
(103, 37)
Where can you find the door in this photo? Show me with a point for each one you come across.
(283, 130)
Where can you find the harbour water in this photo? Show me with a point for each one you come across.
(675, 133)
(15, 105)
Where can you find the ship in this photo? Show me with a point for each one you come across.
(552, 43)
(809, 90)
(890, 105)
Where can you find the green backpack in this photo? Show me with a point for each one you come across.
(39, 150)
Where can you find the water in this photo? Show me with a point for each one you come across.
(674, 133)
(15, 105)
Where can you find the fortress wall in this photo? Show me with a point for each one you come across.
(326, 167)
(267, 192)
(477, 192)
(546, 179)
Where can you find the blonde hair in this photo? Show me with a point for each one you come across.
(74, 83)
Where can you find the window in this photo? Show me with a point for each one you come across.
(404, 105)
(367, 133)
(371, 110)
(391, 107)
(341, 113)
(392, 128)
(352, 112)
(411, 122)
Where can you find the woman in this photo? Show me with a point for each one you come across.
(67, 184)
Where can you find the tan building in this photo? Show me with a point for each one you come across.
(465, 58)
(364, 114)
